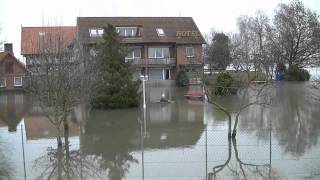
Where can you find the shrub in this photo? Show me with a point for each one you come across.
(297, 74)
(182, 79)
(224, 85)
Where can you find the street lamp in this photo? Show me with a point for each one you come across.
(144, 79)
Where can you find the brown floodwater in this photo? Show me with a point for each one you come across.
(179, 140)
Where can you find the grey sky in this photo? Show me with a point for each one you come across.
(217, 14)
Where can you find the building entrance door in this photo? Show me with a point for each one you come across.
(167, 74)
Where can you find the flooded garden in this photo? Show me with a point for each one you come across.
(180, 140)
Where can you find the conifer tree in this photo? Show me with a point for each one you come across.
(115, 87)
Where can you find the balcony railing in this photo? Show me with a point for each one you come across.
(158, 61)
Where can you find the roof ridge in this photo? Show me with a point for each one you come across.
(47, 26)
(135, 17)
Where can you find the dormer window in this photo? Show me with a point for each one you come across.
(95, 32)
(41, 33)
(160, 32)
(127, 31)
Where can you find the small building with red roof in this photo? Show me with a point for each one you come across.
(37, 41)
(12, 71)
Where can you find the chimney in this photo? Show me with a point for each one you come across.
(8, 48)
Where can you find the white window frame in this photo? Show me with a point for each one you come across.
(187, 51)
(127, 30)
(160, 32)
(5, 83)
(133, 54)
(154, 56)
(14, 81)
(41, 33)
(95, 32)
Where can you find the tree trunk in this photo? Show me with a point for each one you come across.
(67, 151)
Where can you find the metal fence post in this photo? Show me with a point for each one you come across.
(24, 160)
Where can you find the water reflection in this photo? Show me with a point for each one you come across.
(109, 137)
(296, 118)
(236, 168)
(170, 143)
(6, 167)
(62, 163)
(293, 113)
(114, 135)
(13, 107)
(38, 126)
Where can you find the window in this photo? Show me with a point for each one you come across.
(135, 54)
(160, 32)
(159, 52)
(127, 31)
(100, 32)
(2, 82)
(189, 51)
(95, 32)
(41, 33)
(17, 81)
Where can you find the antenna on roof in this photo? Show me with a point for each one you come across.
(42, 18)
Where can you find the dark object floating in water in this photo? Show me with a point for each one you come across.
(258, 82)
(194, 95)
(164, 100)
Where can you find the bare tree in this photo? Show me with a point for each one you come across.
(249, 51)
(1, 41)
(248, 94)
(242, 169)
(55, 81)
(297, 29)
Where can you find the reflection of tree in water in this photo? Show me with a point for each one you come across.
(6, 169)
(108, 136)
(294, 116)
(296, 121)
(239, 169)
(62, 163)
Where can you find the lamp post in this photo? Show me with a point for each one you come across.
(144, 79)
(144, 128)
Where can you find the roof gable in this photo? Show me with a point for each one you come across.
(4, 56)
(180, 30)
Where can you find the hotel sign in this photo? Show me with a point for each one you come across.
(187, 33)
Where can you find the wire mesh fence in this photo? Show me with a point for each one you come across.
(204, 152)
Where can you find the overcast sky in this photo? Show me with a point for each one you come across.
(220, 15)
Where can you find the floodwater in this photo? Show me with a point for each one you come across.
(181, 140)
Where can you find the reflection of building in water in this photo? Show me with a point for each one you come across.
(12, 109)
(38, 126)
(173, 124)
(167, 125)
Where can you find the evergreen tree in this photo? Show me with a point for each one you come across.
(115, 87)
(219, 52)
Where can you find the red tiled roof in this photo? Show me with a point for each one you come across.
(35, 40)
